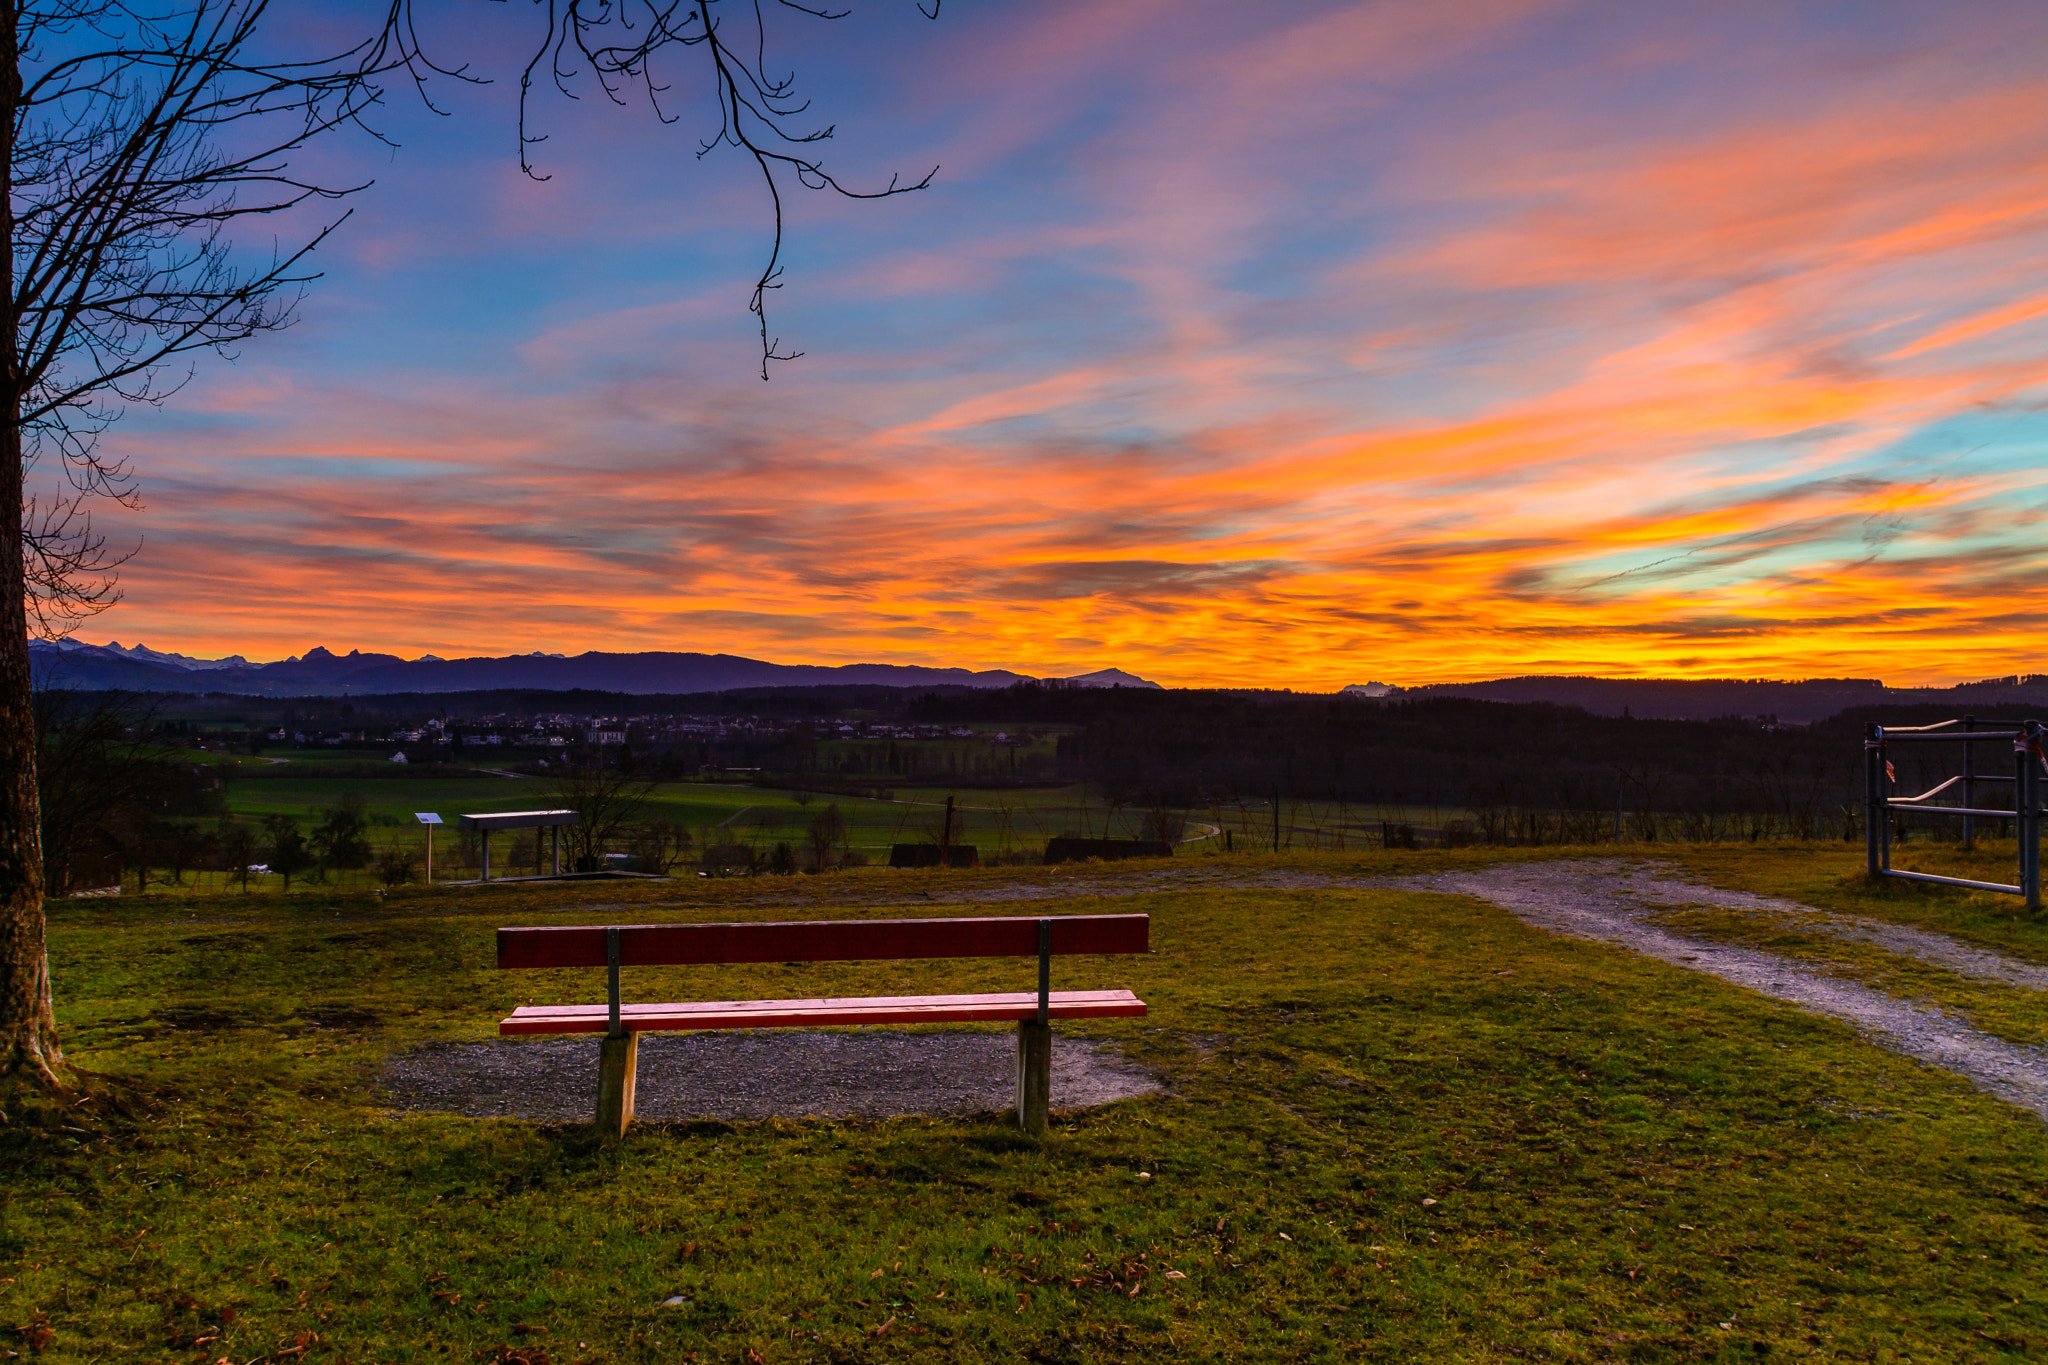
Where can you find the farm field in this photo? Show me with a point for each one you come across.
(1011, 823)
(997, 818)
(1008, 825)
(1397, 1125)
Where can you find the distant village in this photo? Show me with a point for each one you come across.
(559, 730)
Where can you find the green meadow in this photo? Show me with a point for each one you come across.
(1009, 825)
(1396, 1126)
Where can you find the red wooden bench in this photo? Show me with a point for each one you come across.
(672, 945)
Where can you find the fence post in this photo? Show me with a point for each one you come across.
(2027, 802)
(1969, 785)
(1873, 798)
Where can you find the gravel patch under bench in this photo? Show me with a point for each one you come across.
(758, 1074)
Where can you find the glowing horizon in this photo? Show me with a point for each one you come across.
(1391, 341)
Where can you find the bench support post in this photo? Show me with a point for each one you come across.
(1034, 1074)
(618, 1067)
(1034, 1045)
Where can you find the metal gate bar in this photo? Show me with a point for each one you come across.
(1956, 881)
(2029, 767)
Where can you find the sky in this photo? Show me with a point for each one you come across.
(1234, 344)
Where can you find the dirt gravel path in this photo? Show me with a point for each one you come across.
(1611, 901)
(1660, 884)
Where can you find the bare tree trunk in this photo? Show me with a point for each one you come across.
(28, 1024)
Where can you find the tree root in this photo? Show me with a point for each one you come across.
(93, 1103)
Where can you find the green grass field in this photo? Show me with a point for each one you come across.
(1007, 825)
(1398, 1127)
(1004, 824)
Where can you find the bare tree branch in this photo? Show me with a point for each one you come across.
(618, 43)
(139, 132)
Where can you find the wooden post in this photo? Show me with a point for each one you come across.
(1034, 1074)
(618, 1065)
(617, 1069)
(1034, 1045)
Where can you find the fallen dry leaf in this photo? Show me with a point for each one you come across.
(515, 1355)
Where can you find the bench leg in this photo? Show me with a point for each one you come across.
(618, 1066)
(1034, 1074)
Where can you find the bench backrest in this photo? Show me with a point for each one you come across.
(851, 940)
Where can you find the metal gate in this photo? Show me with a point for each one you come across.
(2024, 780)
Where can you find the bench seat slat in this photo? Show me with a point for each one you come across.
(1007, 1006)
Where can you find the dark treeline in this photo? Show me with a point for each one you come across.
(800, 703)
(1520, 773)
(1803, 701)
(1462, 767)
(113, 795)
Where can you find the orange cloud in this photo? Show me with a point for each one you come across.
(1351, 385)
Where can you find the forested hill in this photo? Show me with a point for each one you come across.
(1797, 703)
(320, 672)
